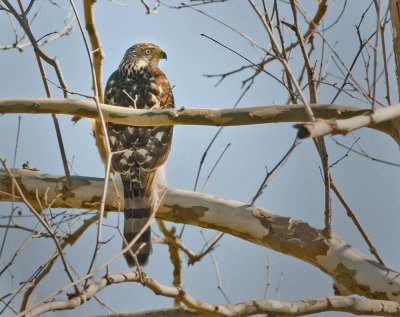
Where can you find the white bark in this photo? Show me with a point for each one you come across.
(354, 271)
(214, 117)
(320, 128)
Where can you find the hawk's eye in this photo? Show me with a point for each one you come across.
(148, 51)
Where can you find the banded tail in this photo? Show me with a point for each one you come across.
(136, 215)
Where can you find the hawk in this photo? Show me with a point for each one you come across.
(139, 151)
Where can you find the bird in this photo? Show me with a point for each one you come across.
(139, 151)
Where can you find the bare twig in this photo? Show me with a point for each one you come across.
(395, 17)
(274, 171)
(376, 50)
(242, 34)
(258, 67)
(345, 155)
(97, 95)
(364, 154)
(353, 217)
(292, 95)
(215, 165)
(385, 61)
(269, 268)
(69, 240)
(203, 157)
(22, 43)
(43, 223)
(40, 55)
(217, 270)
(12, 193)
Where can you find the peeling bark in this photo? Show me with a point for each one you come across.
(347, 266)
(321, 128)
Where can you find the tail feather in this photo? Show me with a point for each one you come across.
(134, 221)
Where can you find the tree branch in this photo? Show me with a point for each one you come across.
(97, 70)
(384, 120)
(97, 48)
(395, 16)
(166, 312)
(343, 126)
(347, 266)
(251, 307)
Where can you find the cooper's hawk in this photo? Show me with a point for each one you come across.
(139, 83)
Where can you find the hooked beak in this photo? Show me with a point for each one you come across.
(163, 55)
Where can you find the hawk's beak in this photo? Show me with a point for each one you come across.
(163, 55)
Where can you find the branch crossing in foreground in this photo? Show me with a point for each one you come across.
(348, 267)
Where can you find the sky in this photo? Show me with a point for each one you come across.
(371, 188)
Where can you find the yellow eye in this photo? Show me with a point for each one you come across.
(148, 51)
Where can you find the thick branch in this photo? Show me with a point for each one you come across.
(354, 271)
(214, 117)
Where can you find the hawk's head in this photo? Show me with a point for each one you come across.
(141, 56)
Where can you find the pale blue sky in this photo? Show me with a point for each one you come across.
(297, 191)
